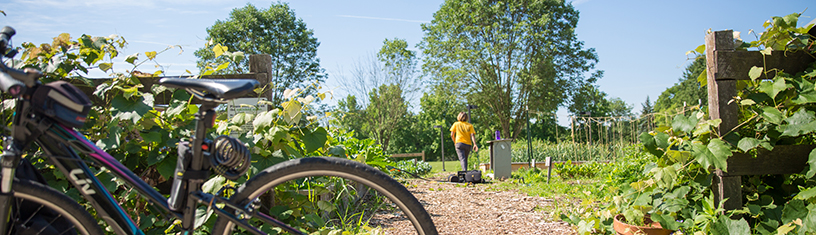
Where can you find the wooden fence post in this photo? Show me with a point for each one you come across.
(261, 66)
(720, 92)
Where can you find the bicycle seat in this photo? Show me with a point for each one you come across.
(220, 88)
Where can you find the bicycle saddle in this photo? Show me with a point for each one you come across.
(220, 88)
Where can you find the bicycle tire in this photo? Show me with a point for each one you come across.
(35, 204)
(301, 168)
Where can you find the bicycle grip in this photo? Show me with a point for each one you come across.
(5, 34)
(8, 84)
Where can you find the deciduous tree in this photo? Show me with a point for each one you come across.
(275, 31)
(507, 55)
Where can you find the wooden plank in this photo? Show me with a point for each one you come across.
(784, 159)
(734, 65)
(407, 155)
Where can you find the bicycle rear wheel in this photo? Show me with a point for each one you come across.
(39, 209)
(330, 193)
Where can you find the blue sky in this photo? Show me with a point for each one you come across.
(641, 44)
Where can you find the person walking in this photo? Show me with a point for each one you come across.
(464, 138)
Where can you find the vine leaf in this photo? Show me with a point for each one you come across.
(812, 162)
(748, 143)
(773, 88)
(793, 210)
(683, 123)
(772, 115)
(714, 154)
(315, 140)
(649, 143)
(755, 72)
(802, 122)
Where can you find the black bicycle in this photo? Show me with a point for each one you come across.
(47, 115)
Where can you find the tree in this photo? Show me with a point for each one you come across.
(687, 92)
(275, 31)
(399, 65)
(351, 116)
(506, 55)
(384, 113)
(646, 107)
(393, 64)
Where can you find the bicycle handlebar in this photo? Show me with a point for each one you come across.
(14, 81)
(5, 34)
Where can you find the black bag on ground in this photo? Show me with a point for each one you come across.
(474, 176)
(453, 178)
(45, 221)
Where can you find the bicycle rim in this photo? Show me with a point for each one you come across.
(41, 210)
(300, 185)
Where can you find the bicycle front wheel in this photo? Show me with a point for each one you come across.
(327, 193)
(39, 209)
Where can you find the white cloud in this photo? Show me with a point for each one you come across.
(579, 2)
(380, 18)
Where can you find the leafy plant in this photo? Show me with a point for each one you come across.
(675, 189)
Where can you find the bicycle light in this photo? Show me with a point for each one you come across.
(229, 157)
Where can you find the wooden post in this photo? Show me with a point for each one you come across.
(720, 92)
(261, 66)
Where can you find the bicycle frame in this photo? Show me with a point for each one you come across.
(59, 143)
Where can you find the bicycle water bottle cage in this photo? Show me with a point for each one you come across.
(62, 102)
(216, 90)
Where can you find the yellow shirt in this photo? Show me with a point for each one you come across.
(463, 131)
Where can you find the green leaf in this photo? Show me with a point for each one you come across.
(801, 123)
(748, 143)
(337, 151)
(773, 88)
(314, 218)
(812, 162)
(167, 167)
(755, 72)
(222, 66)
(683, 123)
(125, 109)
(794, 209)
(132, 58)
(714, 154)
(735, 226)
(202, 215)
(806, 194)
(772, 114)
(213, 185)
(105, 66)
(218, 49)
(326, 206)
(662, 140)
(291, 111)
(151, 137)
(649, 144)
(315, 140)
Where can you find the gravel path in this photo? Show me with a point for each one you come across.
(477, 209)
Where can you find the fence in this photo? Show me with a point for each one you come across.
(725, 66)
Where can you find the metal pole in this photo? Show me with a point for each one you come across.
(529, 141)
(442, 144)
(442, 141)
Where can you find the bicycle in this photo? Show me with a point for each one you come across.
(47, 115)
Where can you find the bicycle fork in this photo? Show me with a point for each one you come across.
(9, 160)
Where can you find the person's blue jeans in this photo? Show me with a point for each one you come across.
(463, 150)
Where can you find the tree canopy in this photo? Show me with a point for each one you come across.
(275, 31)
(508, 55)
(686, 92)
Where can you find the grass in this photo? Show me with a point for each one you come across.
(450, 166)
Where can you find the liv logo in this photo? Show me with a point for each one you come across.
(83, 184)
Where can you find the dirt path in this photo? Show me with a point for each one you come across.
(478, 209)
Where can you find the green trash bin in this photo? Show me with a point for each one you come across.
(501, 158)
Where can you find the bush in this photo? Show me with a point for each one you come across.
(422, 168)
